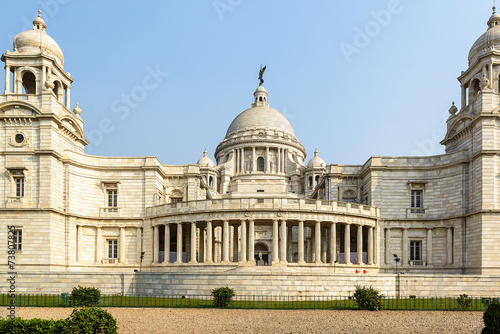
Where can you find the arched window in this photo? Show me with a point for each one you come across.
(211, 181)
(310, 181)
(260, 164)
(316, 180)
(29, 83)
(349, 196)
(477, 87)
(58, 91)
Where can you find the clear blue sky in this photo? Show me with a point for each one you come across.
(351, 97)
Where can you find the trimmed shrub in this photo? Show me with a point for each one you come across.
(222, 296)
(368, 298)
(491, 319)
(464, 301)
(88, 320)
(31, 326)
(81, 296)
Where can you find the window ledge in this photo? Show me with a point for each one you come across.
(110, 211)
(416, 213)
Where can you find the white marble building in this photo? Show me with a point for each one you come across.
(261, 205)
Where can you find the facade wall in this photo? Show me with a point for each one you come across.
(292, 283)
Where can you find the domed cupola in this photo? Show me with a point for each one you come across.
(490, 40)
(316, 161)
(37, 41)
(208, 171)
(205, 161)
(316, 167)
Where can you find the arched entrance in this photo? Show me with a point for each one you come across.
(261, 254)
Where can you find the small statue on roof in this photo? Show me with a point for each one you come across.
(261, 74)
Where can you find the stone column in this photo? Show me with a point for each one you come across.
(387, 246)
(242, 160)
(201, 244)
(429, 246)
(278, 160)
(138, 244)
(359, 244)
(283, 243)
(254, 165)
(449, 246)
(317, 241)
(276, 258)
(121, 257)
(235, 243)
(267, 160)
(14, 81)
(347, 244)
(156, 244)
(464, 96)
(243, 238)
(179, 243)
(79, 234)
(404, 248)
(7, 79)
(370, 246)
(68, 99)
(209, 257)
(235, 156)
(300, 244)
(285, 155)
(225, 242)
(313, 245)
(44, 78)
(333, 243)
(323, 246)
(166, 244)
(289, 244)
(251, 242)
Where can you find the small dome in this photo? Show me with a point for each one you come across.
(205, 161)
(490, 39)
(37, 40)
(316, 161)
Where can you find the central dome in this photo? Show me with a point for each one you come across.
(260, 116)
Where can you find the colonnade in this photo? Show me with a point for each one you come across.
(212, 241)
(278, 166)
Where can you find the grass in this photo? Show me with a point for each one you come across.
(251, 302)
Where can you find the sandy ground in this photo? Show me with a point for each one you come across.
(152, 321)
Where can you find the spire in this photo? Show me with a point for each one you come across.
(39, 23)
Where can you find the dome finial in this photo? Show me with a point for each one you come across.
(39, 23)
(316, 152)
(205, 153)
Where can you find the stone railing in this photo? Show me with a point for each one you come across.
(265, 204)
(35, 100)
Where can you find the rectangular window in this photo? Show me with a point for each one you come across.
(416, 250)
(112, 198)
(175, 199)
(112, 249)
(19, 186)
(416, 199)
(18, 240)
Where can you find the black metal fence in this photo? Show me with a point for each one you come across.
(255, 302)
